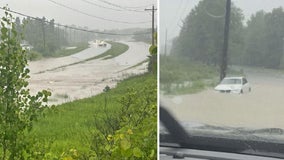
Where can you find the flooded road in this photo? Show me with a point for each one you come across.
(50, 63)
(87, 78)
(261, 108)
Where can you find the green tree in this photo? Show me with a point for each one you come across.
(152, 66)
(255, 48)
(201, 36)
(274, 37)
(18, 109)
(264, 39)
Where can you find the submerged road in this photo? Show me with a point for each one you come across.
(88, 78)
(262, 108)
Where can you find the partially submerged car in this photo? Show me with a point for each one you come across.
(233, 85)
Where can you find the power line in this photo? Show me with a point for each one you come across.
(119, 6)
(74, 28)
(114, 9)
(139, 6)
(144, 6)
(93, 16)
(95, 4)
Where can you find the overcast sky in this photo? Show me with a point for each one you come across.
(173, 11)
(94, 8)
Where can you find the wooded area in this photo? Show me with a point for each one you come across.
(46, 37)
(258, 42)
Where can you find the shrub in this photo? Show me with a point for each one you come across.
(130, 132)
(18, 109)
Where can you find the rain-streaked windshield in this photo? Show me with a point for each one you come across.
(198, 49)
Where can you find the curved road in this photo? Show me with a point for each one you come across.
(85, 79)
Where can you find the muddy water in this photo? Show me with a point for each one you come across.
(85, 79)
(50, 63)
(262, 108)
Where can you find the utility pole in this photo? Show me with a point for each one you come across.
(166, 39)
(224, 57)
(65, 33)
(43, 32)
(153, 9)
(282, 59)
(58, 35)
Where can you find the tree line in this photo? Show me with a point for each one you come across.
(258, 42)
(47, 37)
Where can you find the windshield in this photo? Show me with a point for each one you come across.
(231, 81)
(204, 45)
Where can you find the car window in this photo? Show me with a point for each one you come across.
(245, 81)
(231, 81)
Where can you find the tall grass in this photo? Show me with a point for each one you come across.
(70, 125)
(181, 75)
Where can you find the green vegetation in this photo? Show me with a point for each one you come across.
(115, 50)
(48, 39)
(120, 122)
(201, 36)
(181, 76)
(33, 55)
(196, 52)
(258, 43)
(153, 65)
(67, 52)
(264, 40)
(18, 109)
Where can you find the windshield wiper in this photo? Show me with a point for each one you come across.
(177, 132)
(178, 135)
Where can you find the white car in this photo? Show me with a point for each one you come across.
(233, 85)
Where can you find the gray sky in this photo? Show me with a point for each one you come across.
(40, 8)
(173, 11)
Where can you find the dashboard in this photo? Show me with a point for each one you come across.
(170, 153)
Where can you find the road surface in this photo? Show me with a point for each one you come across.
(88, 78)
(262, 108)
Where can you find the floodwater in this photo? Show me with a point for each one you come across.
(88, 78)
(261, 108)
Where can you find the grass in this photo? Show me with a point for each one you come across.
(34, 55)
(115, 50)
(67, 52)
(71, 124)
(182, 76)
